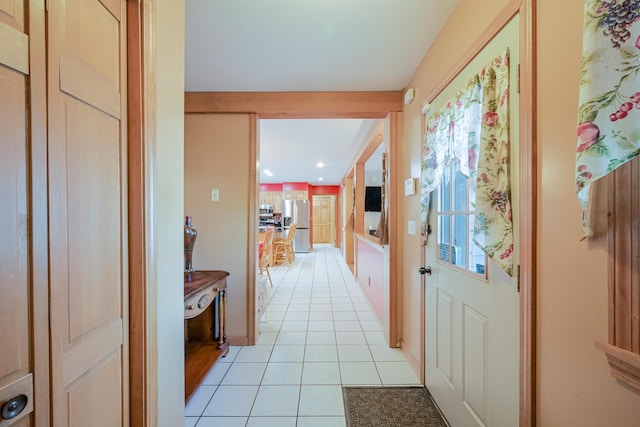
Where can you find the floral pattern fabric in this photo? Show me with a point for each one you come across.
(474, 128)
(608, 117)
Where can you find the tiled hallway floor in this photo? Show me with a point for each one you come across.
(320, 333)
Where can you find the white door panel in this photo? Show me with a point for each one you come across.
(472, 324)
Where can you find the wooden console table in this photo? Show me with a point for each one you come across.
(205, 301)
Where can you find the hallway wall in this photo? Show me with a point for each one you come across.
(574, 385)
(217, 156)
(168, 199)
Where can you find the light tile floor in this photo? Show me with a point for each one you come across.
(320, 334)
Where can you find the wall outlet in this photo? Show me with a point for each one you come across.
(215, 195)
(411, 227)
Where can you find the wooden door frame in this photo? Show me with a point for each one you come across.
(333, 213)
(304, 105)
(141, 146)
(528, 194)
(39, 207)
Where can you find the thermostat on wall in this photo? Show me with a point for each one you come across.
(410, 187)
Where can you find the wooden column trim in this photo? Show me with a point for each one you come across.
(360, 189)
(349, 250)
(141, 117)
(528, 213)
(252, 244)
(315, 105)
(393, 228)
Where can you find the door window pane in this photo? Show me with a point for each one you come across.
(444, 237)
(477, 258)
(459, 189)
(456, 221)
(460, 234)
(445, 190)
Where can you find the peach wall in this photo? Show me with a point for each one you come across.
(217, 156)
(574, 385)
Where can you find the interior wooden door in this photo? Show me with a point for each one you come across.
(19, 304)
(323, 213)
(472, 306)
(88, 221)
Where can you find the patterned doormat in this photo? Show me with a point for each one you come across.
(390, 407)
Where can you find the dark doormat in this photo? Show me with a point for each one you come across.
(390, 407)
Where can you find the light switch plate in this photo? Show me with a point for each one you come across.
(215, 195)
(411, 228)
(410, 187)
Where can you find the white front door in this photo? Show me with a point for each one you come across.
(472, 306)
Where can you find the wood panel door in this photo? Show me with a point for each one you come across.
(19, 305)
(323, 219)
(88, 212)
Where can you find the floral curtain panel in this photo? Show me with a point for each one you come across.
(608, 123)
(474, 128)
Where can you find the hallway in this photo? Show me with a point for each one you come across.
(319, 334)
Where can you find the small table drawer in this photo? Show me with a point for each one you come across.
(196, 304)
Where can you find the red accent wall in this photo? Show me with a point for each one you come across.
(323, 190)
(293, 186)
(370, 274)
(270, 187)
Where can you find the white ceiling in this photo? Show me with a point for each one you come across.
(308, 45)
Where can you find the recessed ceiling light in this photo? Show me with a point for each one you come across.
(320, 165)
(267, 172)
(320, 179)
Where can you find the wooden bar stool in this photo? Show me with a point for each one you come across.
(265, 252)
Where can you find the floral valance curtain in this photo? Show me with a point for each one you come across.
(608, 120)
(474, 128)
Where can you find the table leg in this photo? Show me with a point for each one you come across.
(222, 313)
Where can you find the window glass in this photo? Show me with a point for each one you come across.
(477, 258)
(459, 189)
(460, 234)
(456, 221)
(445, 190)
(444, 237)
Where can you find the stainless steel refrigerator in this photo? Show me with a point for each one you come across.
(297, 212)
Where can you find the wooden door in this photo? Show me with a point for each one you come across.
(472, 306)
(323, 219)
(23, 316)
(88, 221)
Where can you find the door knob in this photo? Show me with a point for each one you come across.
(13, 407)
(425, 270)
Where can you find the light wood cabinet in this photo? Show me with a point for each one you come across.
(297, 195)
(273, 198)
(277, 201)
(266, 198)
